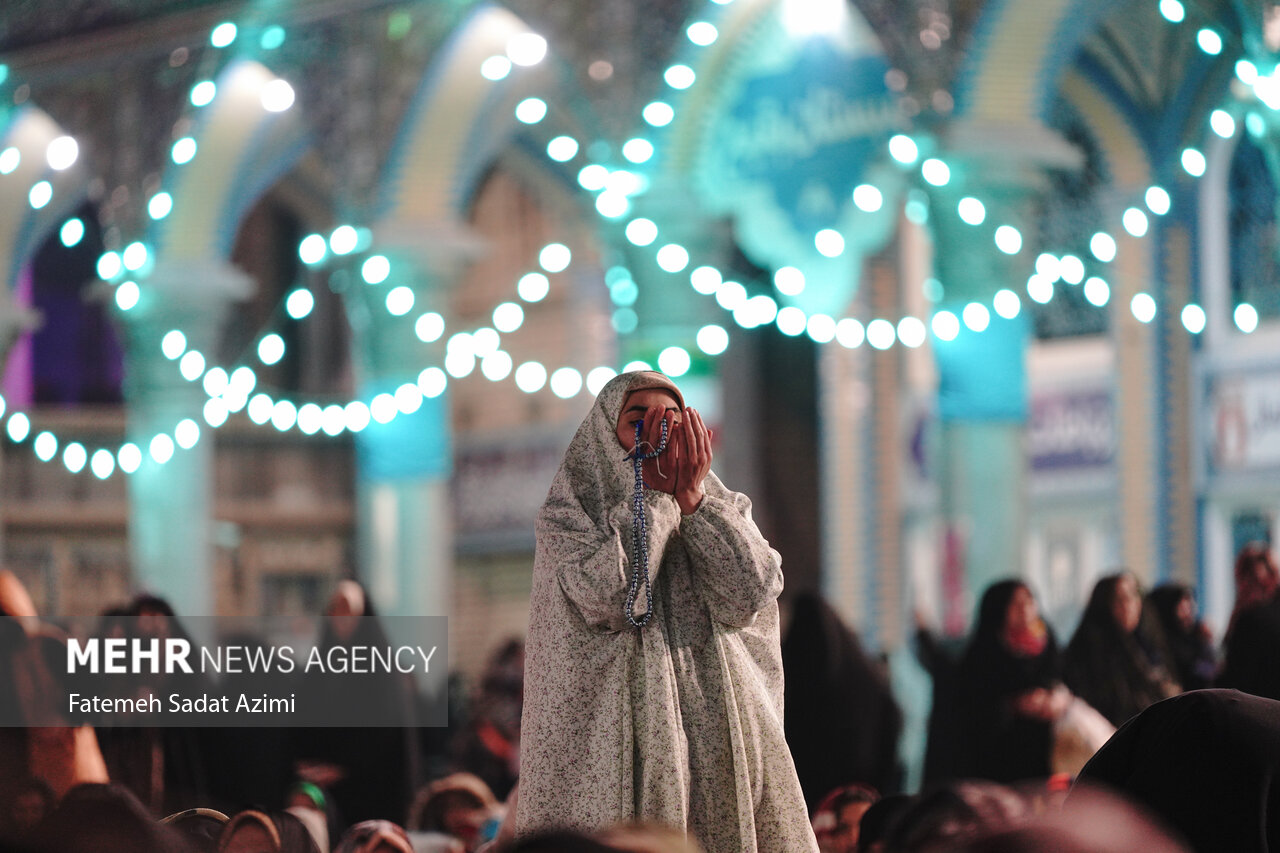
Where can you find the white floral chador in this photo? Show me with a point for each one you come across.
(678, 722)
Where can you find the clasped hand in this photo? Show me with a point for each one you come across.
(681, 468)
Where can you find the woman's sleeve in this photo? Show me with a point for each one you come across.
(736, 570)
(593, 562)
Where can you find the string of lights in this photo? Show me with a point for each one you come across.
(232, 390)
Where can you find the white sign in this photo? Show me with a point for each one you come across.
(1244, 424)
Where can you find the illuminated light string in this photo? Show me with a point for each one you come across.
(531, 376)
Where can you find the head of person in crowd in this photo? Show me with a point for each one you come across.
(350, 618)
(375, 836)
(1174, 605)
(648, 838)
(253, 831)
(1115, 605)
(1093, 822)
(201, 828)
(155, 617)
(308, 803)
(26, 802)
(1008, 622)
(1206, 763)
(1190, 643)
(561, 841)
(1256, 574)
(946, 817)
(837, 819)
(879, 819)
(104, 818)
(459, 805)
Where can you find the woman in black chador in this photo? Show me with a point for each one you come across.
(1114, 661)
(842, 722)
(1009, 689)
(1192, 657)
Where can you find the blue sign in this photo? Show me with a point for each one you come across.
(797, 126)
(808, 131)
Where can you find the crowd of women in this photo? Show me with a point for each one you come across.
(1012, 708)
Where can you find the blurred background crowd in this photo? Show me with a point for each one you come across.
(1022, 731)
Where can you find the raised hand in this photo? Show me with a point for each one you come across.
(692, 460)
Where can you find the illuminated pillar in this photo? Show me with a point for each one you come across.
(171, 503)
(982, 397)
(404, 531)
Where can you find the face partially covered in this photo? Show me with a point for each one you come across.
(634, 408)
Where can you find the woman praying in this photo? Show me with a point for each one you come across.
(653, 678)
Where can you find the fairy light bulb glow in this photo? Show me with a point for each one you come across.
(531, 377)
(658, 114)
(271, 349)
(1103, 247)
(299, 303)
(160, 205)
(1245, 317)
(71, 232)
(103, 464)
(903, 149)
(1008, 239)
(203, 93)
(507, 317)
(375, 269)
(19, 427)
(881, 334)
(705, 280)
(429, 327)
(674, 361)
(555, 257)
(936, 172)
(127, 295)
(789, 281)
(161, 448)
(712, 339)
(129, 457)
(495, 68)
(277, 96)
(1157, 200)
(972, 211)
(400, 301)
(191, 365)
(40, 195)
(173, 344)
(791, 321)
(531, 110)
(1006, 303)
(850, 333)
(566, 382)
(673, 258)
(945, 326)
(1097, 291)
(1143, 307)
(1193, 318)
(641, 231)
(679, 77)
(62, 153)
(829, 242)
(526, 49)
(562, 149)
(867, 198)
(74, 456)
